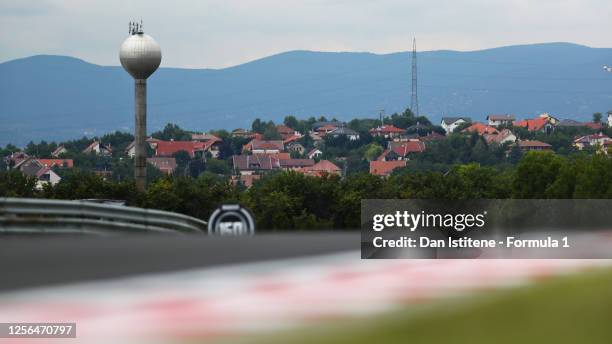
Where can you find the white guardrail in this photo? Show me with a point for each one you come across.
(40, 216)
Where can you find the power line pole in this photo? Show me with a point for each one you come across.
(414, 103)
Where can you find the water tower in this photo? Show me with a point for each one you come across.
(140, 56)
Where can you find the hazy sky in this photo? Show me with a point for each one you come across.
(220, 33)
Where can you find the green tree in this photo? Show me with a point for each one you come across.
(218, 166)
(372, 151)
(258, 126)
(182, 159)
(271, 133)
(172, 132)
(78, 184)
(535, 173)
(291, 122)
(15, 184)
(597, 117)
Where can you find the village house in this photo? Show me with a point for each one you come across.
(169, 148)
(594, 140)
(241, 133)
(203, 137)
(320, 169)
(130, 150)
(498, 120)
(550, 118)
(294, 164)
(32, 167)
(286, 132)
(481, 129)
(98, 148)
(609, 119)
(432, 136)
(385, 168)
(343, 131)
(323, 128)
(296, 147)
(504, 136)
(542, 124)
(264, 146)
(62, 163)
(401, 150)
(315, 153)
(387, 131)
(59, 151)
(326, 129)
(165, 164)
(46, 176)
(212, 143)
(532, 145)
(292, 145)
(29, 166)
(15, 158)
(254, 164)
(449, 124)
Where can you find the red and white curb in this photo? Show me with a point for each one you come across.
(235, 301)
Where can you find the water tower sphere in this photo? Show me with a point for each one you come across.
(140, 55)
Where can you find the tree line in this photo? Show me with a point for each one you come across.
(292, 201)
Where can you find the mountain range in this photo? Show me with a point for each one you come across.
(47, 97)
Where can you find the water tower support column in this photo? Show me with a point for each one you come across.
(140, 159)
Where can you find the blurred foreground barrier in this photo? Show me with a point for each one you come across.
(39, 216)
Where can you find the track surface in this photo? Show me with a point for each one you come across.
(47, 260)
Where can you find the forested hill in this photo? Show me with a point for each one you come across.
(57, 97)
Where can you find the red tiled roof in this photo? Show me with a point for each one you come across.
(68, 163)
(384, 168)
(532, 124)
(257, 144)
(326, 128)
(480, 128)
(593, 125)
(409, 147)
(291, 138)
(387, 129)
(168, 148)
(499, 137)
(533, 143)
(283, 129)
(321, 168)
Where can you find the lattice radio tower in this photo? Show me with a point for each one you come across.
(414, 103)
